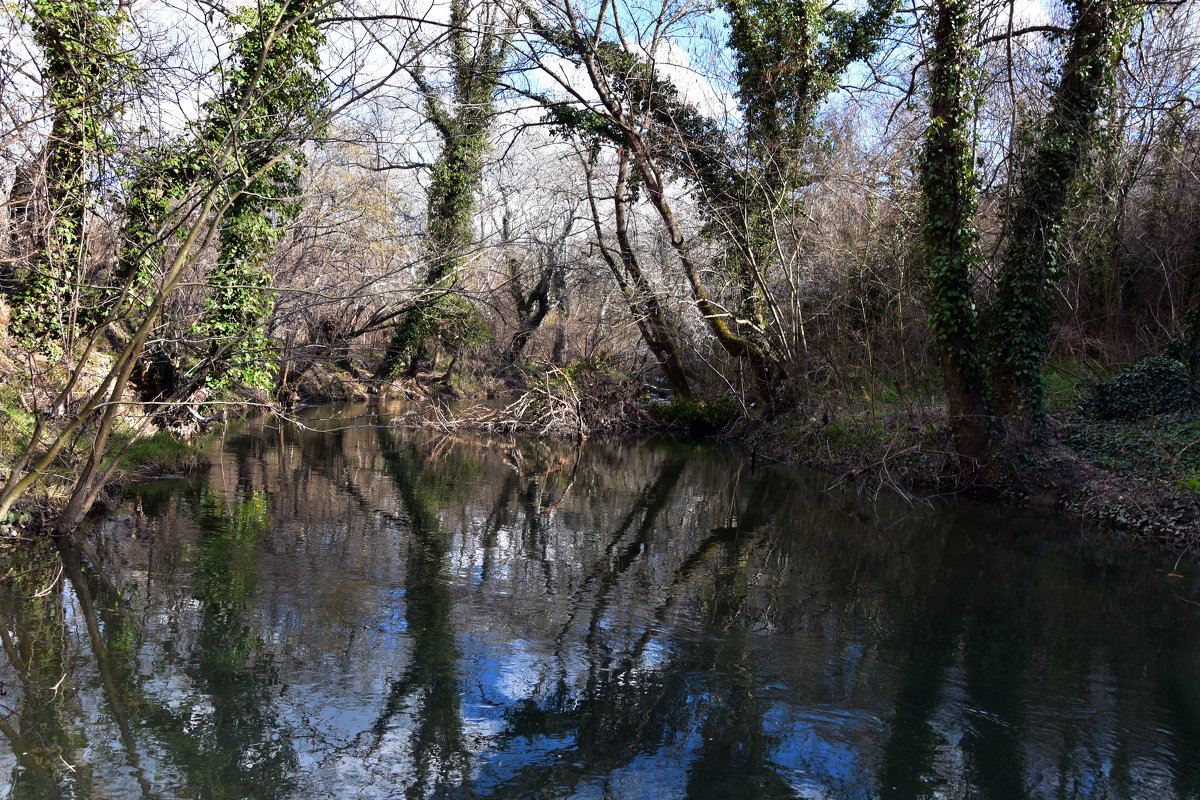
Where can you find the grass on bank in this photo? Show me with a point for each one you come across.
(700, 416)
(147, 456)
(163, 453)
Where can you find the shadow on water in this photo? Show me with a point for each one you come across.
(352, 610)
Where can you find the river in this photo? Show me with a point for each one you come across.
(347, 610)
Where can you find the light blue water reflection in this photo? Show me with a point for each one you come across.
(362, 612)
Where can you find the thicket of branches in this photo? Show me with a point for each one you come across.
(778, 201)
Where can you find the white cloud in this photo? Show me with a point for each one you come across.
(674, 63)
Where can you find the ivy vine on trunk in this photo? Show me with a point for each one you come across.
(790, 55)
(273, 101)
(1031, 266)
(948, 186)
(253, 129)
(85, 70)
(463, 126)
(280, 54)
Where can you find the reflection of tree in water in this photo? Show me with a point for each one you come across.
(994, 651)
(38, 709)
(735, 757)
(1181, 696)
(620, 713)
(223, 735)
(924, 651)
(1005, 682)
(428, 688)
(220, 734)
(624, 709)
(697, 699)
(704, 685)
(676, 624)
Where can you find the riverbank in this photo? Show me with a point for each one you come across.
(1139, 476)
(161, 454)
(35, 411)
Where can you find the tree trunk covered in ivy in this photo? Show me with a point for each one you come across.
(948, 188)
(278, 64)
(84, 65)
(1020, 317)
(272, 104)
(790, 55)
(455, 178)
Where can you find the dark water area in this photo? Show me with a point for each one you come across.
(352, 611)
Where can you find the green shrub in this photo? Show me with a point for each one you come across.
(597, 365)
(1186, 349)
(701, 416)
(1154, 385)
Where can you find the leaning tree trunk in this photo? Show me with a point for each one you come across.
(644, 303)
(765, 369)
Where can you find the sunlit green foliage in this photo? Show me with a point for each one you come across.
(86, 71)
(276, 65)
(248, 137)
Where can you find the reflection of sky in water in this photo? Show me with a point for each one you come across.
(823, 754)
(627, 645)
(658, 774)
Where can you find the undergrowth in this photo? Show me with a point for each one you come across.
(697, 416)
(1165, 447)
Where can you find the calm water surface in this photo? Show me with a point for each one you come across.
(357, 612)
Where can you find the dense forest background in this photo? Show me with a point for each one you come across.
(903, 217)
